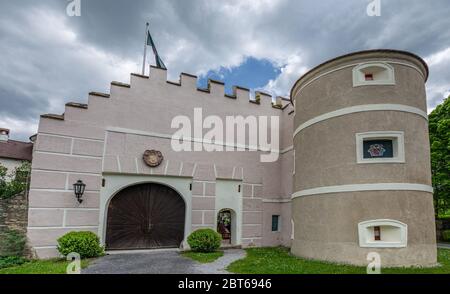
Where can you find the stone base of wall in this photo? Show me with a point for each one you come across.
(14, 214)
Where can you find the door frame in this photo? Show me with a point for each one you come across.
(233, 225)
(115, 183)
(229, 196)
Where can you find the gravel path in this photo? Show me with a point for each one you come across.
(218, 266)
(443, 245)
(160, 262)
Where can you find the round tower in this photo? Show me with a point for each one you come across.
(362, 179)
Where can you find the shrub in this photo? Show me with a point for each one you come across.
(11, 261)
(15, 182)
(446, 235)
(204, 240)
(87, 244)
(12, 243)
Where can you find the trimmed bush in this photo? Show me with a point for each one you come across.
(12, 243)
(204, 240)
(446, 235)
(87, 244)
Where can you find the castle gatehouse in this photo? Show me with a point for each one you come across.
(338, 170)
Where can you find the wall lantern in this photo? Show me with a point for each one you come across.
(78, 188)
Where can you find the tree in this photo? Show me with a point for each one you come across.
(14, 183)
(439, 123)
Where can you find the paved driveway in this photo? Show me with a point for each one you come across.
(160, 262)
(444, 245)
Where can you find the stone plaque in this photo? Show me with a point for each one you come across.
(153, 158)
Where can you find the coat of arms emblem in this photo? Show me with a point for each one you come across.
(376, 150)
(153, 158)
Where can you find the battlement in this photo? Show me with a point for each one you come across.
(186, 81)
(215, 87)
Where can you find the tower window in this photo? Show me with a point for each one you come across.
(377, 233)
(368, 74)
(368, 77)
(380, 147)
(383, 233)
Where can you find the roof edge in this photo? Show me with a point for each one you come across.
(413, 55)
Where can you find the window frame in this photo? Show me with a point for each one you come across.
(278, 223)
(398, 145)
(366, 226)
(359, 74)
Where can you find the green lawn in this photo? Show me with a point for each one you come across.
(51, 266)
(279, 261)
(203, 257)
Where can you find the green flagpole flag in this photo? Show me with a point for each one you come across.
(159, 62)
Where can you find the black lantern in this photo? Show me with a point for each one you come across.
(78, 188)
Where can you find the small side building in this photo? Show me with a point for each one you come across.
(13, 153)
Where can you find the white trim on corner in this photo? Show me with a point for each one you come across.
(286, 150)
(361, 108)
(295, 167)
(276, 200)
(398, 139)
(364, 187)
(105, 143)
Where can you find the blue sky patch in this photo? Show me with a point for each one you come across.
(252, 73)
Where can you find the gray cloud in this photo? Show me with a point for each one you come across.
(48, 58)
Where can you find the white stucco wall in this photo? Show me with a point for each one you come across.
(107, 137)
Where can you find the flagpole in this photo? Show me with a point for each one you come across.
(145, 48)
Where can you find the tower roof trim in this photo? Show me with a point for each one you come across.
(376, 53)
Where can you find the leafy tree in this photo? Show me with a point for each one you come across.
(439, 121)
(15, 182)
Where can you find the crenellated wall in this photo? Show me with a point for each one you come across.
(106, 138)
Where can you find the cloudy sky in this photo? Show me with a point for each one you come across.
(48, 58)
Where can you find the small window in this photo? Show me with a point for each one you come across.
(368, 74)
(380, 147)
(368, 77)
(377, 233)
(383, 234)
(275, 223)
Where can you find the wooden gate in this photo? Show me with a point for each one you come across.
(145, 216)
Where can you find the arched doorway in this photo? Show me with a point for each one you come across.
(145, 216)
(226, 226)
